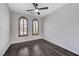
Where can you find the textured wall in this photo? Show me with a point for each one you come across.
(4, 28)
(62, 27)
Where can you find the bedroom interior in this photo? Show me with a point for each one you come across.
(39, 29)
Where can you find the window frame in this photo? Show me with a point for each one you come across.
(33, 26)
(23, 27)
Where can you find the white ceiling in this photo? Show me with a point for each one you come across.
(22, 7)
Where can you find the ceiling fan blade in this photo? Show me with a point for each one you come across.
(35, 5)
(38, 13)
(43, 8)
(31, 10)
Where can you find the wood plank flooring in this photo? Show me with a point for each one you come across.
(38, 47)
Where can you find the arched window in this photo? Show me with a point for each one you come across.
(35, 27)
(23, 26)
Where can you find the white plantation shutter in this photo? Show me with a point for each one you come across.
(23, 26)
(35, 27)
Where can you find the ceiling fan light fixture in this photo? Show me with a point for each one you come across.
(36, 10)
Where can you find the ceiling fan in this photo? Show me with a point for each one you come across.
(37, 9)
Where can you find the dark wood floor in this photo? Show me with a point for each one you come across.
(38, 47)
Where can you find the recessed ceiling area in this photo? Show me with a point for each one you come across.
(22, 7)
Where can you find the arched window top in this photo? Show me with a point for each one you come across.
(23, 25)
(35, 27)
(22, 17)
(35, 19)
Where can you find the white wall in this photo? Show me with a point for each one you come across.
(62, 27)
(14, 28)
(4, 28)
